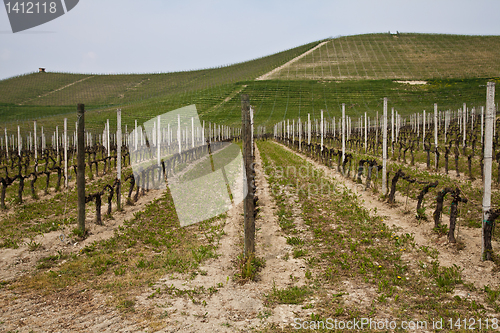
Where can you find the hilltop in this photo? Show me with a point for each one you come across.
(401, 56)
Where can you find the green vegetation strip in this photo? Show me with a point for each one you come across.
(144, 249)
(470, 212)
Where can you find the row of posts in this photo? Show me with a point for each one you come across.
(285, 129)
(420, 123)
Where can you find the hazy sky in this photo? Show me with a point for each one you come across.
(124, 36)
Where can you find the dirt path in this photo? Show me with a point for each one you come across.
(233, 307)
(276, 70)
(474, 270)
(83, 311)
(228, 307)
(59, 89)
(228, 98)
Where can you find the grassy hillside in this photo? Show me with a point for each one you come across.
(216, 91)
(60, 89)
(403, 56)
(275, 100)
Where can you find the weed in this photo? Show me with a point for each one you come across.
(248, 267)
(421, 214)
(433, 253)
(142, 264)
(33, 245)
(297, 253)
(156, 292)
(204, 252)
(264, 315)
(79, 233)
(441, 230)
(120, 270)
(10, 243)
(289, 295)
(51, 261)
(446, 277)
(492, 295)
(294, 240)
(126, 305)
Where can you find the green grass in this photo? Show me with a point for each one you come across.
(275, 101)
(289, 295)
(353, 244)
(145, 248)
(64, 89)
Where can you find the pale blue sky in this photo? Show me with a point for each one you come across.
(124, 36)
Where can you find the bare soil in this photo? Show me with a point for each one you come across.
(231, 306)
(268, 75)
(469, 258)
(14, 263)
(234, 307)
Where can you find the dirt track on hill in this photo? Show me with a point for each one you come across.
(277, 69)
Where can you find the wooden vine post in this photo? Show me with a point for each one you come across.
(81, 167)
(251, 134)
(322, 126)
(488, 156)
(308, 129)
(392, 132)
(366, 134)
(464, 125)
(248, 161)
(300, 135)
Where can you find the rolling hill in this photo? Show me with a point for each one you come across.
(401, 56)
(356, 70)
